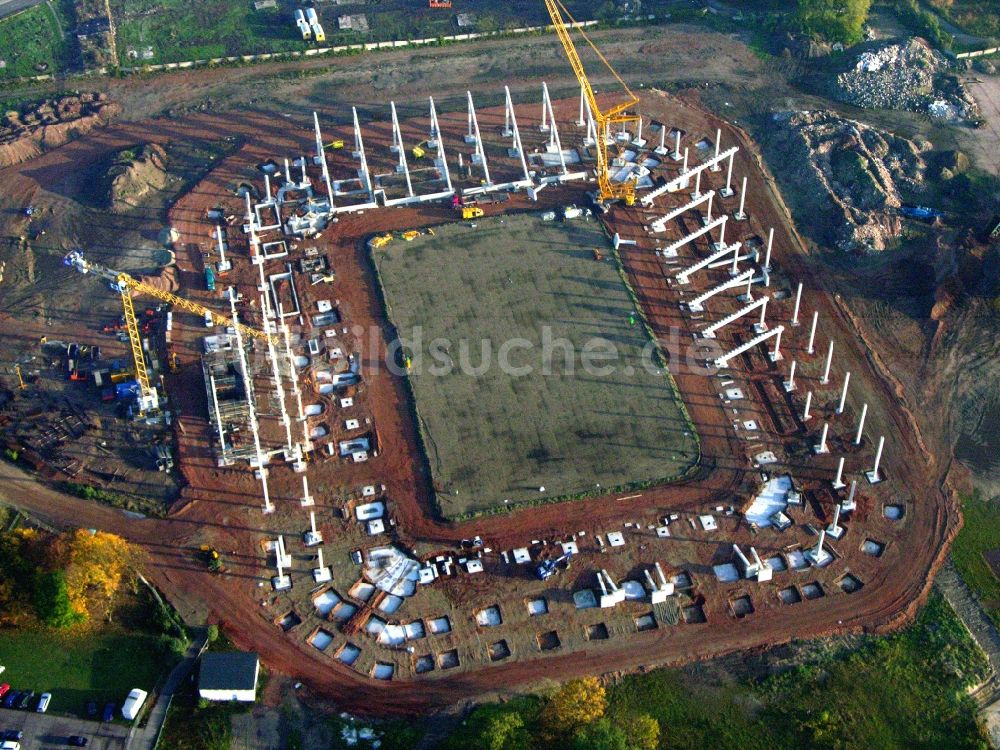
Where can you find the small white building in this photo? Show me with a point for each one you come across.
(229, 676)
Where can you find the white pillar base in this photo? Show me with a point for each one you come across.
(835, 532)
(676, 156)
(695, 196)
(740, 216)
(281, 583)
(775, 356)
(838, 485)
(267, 511)
(759, 327)
(727, 193)
(322, 575)
(820, 560)
(819, 449)
(660, 151)
(312, 538)
(640, 142)
(872, 477)
(788, 386)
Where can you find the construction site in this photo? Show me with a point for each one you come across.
(737, 472)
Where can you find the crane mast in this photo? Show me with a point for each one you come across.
(126, 285)
(603, 118)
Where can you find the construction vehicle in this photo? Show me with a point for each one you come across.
(335, 145)
(412, 234)
(380, 240)
(471, 212)
(209, 279)
(418, 151)
(439, 3)
(20, 378)
(126, 285)
(548, 568)
(604, 119)
(211, 557)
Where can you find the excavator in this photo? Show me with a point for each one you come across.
(605, 118)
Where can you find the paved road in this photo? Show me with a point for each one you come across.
(10, 7)
(144, 738)
(45, 731)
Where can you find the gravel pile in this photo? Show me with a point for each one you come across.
(893, 77)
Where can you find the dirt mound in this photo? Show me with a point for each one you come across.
(853, 172)
(134, 174)
(165, 280)
(909, 76)
(27, 133)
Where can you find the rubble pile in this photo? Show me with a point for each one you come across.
(50, 123)
(905, 77)
(855, 172)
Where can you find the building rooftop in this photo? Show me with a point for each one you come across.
(236, 670)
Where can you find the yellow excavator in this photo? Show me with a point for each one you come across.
(606, 118)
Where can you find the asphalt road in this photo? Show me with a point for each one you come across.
(45, 731)
(10, 7)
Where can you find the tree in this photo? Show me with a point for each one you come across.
(505, 731)
(834, 20)
(95, 564)
(643, 732)
(212, 633)
(577, 703)
(600, 735)
(52, 602)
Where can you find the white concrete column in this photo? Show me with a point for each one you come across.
(684, 168)
(697, 186)
(829, 361)
(677, 146)
(843, 393)
(861, 424)
(838, 481)
(873, 475)
(812, 332)
(790, 383)
(805, 412)
(580, 120)
(822, 447)
(727, 191)
(798, 300)
(776, 353)
(740, 215)
(715, 165)
(708, 216)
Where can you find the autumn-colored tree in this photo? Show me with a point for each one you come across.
(643, 732)
(95, 564)
(577, 703)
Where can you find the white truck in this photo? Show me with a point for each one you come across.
(133, 704)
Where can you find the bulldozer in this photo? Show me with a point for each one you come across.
(380, 240)
(412, 234)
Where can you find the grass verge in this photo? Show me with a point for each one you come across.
(979, 535)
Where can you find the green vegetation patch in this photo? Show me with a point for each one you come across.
(904, 691)
(531, 367)
(81, 666)
(32, 43)
(977, 542)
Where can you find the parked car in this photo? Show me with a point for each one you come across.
(11, 698)
(10, 745)
(92, 708)
(15, 735)
(4, 689)
(25, 700)
(43, 703)
(76, 741)
(109, 712)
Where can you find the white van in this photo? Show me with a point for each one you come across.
(43, 703)
(133, 703)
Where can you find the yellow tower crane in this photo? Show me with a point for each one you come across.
(126, 285)
(603, 118)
